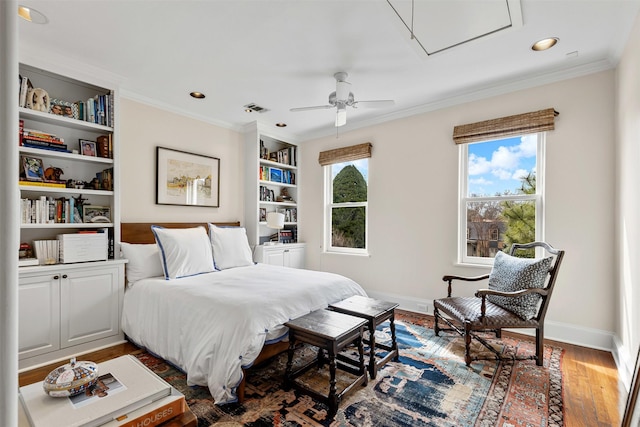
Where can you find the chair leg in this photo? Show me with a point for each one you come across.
(436, 328)
(498, 333)
(540, 345)
(467, 343)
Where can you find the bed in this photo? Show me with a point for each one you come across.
(215, 324)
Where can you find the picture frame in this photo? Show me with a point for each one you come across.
(88, 148)
(275, 175)
(263, 214)
(32, 168)
(62, 108)
(187, 179)
(96, 214)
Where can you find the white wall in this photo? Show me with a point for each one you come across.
(142, 129)
(413, 203)
(628, 203)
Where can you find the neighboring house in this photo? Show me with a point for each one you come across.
(484, 239)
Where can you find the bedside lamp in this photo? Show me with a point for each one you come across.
(275, 220)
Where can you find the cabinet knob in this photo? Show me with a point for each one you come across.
(64, 276)
(56, 277)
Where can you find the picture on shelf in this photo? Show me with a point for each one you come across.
(64, 108)
(263, 214)
(94, 214)
(275, 175)
(33, 168)
(88, 148)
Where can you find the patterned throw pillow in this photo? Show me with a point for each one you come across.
(511, 274)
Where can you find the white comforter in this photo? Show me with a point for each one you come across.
(212, 325)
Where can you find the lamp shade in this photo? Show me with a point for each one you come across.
(275, 220)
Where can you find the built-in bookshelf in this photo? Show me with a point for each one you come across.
(69, 187)
(272, 182)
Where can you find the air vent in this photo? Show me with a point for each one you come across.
(254, 108)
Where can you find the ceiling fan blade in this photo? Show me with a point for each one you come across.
(374, 104)
(317, 107)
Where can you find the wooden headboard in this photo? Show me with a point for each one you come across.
(140, 232)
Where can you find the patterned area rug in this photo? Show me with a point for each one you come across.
(429, 386)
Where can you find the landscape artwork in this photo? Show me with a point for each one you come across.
(187, 179)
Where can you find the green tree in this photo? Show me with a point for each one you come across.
(348, 223)
(521, 217)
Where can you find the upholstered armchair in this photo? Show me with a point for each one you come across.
(518, 295)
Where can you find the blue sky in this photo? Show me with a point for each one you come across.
(497, 166)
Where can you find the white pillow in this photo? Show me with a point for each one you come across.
(144, 261)
(230, 247)
(184, 251)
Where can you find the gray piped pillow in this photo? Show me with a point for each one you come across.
(511, 274)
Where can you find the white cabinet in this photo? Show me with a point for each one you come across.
(286, 255)
(67, 309)
(272, 181)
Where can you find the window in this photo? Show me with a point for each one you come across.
(346, 206)
(501, 195)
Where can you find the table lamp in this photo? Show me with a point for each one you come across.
(275, 220)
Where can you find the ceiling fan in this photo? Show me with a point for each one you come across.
(342, 98)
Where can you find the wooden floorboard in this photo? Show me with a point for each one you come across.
(593, 394)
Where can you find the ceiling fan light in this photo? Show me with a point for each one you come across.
(341, 116)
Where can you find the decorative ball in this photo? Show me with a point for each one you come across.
(71, 379)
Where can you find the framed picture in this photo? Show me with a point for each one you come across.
(33, 168)
(275, 175)
(263, 214)
(63, 108)
(91, 213)
(187, 179)
(88, 148)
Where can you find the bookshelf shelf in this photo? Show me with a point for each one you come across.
(69, 226)
(61, 155)
(52, 119)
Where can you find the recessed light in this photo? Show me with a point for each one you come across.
(248, 110)
(281, 125)
(545, 44)
(31, 15)
(197, 95)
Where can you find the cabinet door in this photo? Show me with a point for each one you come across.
(38, 314)
(88, 305)
(294, 257)
(274, 256)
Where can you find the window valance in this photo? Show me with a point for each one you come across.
(536, 121)
(345, 154)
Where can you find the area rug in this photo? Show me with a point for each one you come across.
(429, 386)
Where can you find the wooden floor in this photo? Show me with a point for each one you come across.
(593, 395)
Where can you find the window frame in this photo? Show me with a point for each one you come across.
(328, 209)
(463, 174)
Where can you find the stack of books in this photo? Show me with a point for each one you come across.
(127, 394)
(39, 139)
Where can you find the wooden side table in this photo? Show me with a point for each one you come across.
(375, 312)
(331, 332)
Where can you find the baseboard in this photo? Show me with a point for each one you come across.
(625, 365)
(563, 332)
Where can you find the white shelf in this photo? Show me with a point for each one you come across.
(277, 184)
(58, 190)
(293, 205)
(68, 225)
(52, 119)
(62, 155)
(277, 164)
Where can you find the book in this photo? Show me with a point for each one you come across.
(28, 141)
(24, 89)
(103, 143)
(25, 262)
(153, 414)
(44, 184)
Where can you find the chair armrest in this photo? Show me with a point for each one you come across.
(450, 278)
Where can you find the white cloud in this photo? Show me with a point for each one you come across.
(503, 158)
(528, 146)
(519, 174)
(502, 173)
(480, 181)
(478, 165)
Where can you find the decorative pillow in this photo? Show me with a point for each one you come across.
(183, 251)
(144, 261)
(230, 247)
(510, 274)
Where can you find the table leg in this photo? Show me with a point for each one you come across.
(287, 375)
(394, 343)
(332, 398)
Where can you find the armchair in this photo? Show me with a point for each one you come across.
(518, 297)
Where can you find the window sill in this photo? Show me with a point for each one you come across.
(367, 254)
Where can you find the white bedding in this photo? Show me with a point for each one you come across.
(213, 324)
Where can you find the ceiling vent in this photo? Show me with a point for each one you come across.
(254, 108)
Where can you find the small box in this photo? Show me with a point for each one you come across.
(83, 247)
